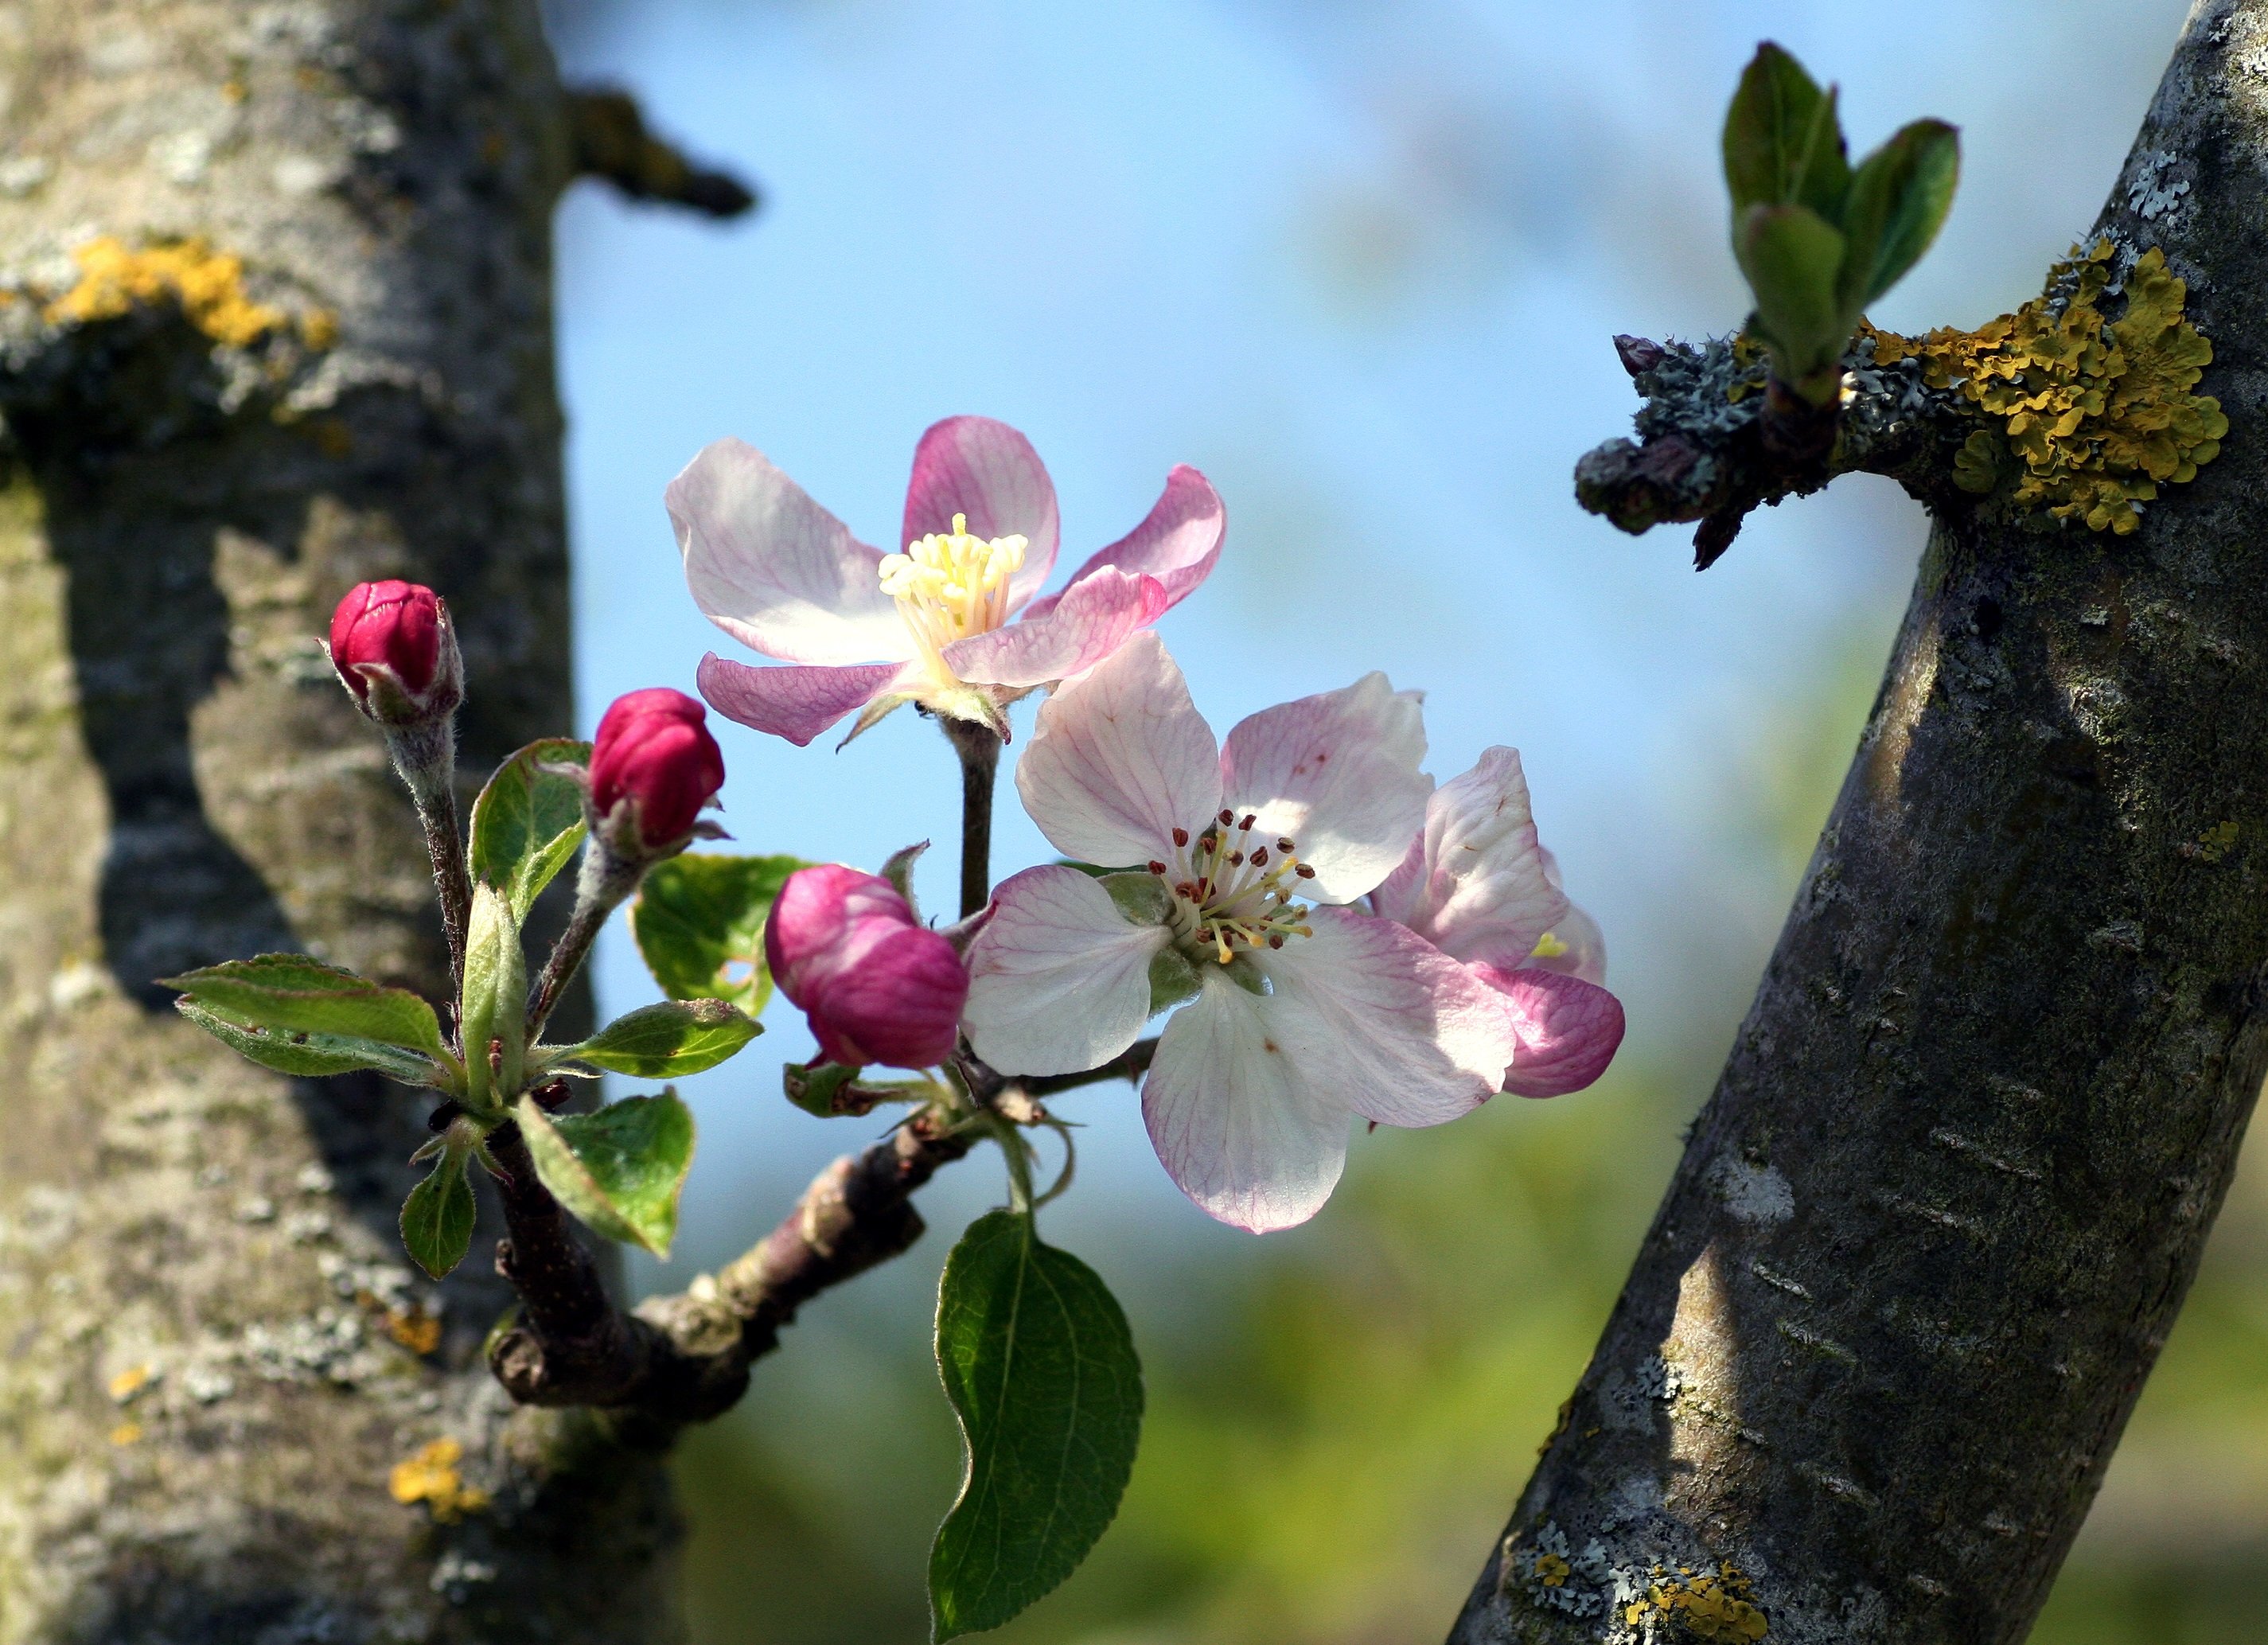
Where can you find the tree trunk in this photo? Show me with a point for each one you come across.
(216, 1354)
(1934, 1226)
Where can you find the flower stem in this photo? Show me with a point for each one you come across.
(426, 757)
(979, 747)
(605, 880)
(1131, 1064)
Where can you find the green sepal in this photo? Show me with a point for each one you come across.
(700, 915)
(664, 1040)
(1173, 979)
(1783, 140)
(309, 1056)
(437, 1219)
(899, 871)
(620, 1169)
(495, 1002)
(1899, 197)
(291, 993)
(528, 822)
(1037, 1360)
(821, 1089)
(1141, 897)
(1792, 256)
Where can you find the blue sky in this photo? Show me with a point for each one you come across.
(1360, 262)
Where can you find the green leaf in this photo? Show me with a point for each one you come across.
(437, 1219)
(527, 821)
(291, 993)
(699, 920)
(1782, 141)
(1791, 257)
(1040, 1369)
(495, 1008)
(620, 1169)
(311, 1055)
(663, 1041)
(1898, 200)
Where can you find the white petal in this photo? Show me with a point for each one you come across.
(775, 570)
(1338, 773)
(1474, 884)
(1059, 980)
(1234, 1126)
(1120, 757)
(1379, 1020)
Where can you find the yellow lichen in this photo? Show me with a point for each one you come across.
(1552, 1570)
(208, 285)
(129, 1383)
(1711, 1605)
(430, 1477)
(2094, 413)
(413, 1329)
(126, 1433)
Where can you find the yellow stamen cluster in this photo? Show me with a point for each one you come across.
(1231, 893)
(950, 585)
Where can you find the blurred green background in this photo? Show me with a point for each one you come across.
(1358, 260)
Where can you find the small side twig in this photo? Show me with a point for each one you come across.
(611, 142)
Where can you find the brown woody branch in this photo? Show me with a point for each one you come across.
(611, 141)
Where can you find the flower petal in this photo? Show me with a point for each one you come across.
(1337, 772)
(1233, 1124)
(1474, 883)
(984, 469)
(775, 570)
(1060, 979)
(1569, 1029)
(1178, 542)
(1579, 946)
(1092, 619)
(1378, 1019)
(794, 703)
(1119, 758)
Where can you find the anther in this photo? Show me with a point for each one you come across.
(1157, 868)
(1227, 817)
(1237, 857)
(1260, 856)
(1180, 836)
(1275, 939)
(1250, 817)
(1304, 872)
(1283, 844)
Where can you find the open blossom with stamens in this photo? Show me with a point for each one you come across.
(1479, 885)
(1240, 863)
(937, 624)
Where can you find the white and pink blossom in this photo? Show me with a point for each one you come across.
(937, 624)
(1305, 1013)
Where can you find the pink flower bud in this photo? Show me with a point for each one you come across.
(652, 748)
(396, 651)
(875, 984)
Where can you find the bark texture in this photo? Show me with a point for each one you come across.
(215, 1353)
(1934, 1224)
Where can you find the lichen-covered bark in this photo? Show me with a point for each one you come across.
(214, 1354)
(1934, 1224)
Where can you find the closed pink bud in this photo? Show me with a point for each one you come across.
(875, 984)
(394, 650)
(652, 748)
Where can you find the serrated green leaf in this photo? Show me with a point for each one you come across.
(291, 993)
(309, 1056)
(528, 822)
(620, 1169)
(494, 1012)
(437, 1219)
(1041, 1368)
(1783, 140)
(699, 920)
(1899, 196)
(668, 1039)
(1791, 257)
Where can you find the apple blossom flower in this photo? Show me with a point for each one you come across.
(1479, 885)
(1305, 1012)
(936, 623)
(873, 981)
(654, 767)
(396, 654)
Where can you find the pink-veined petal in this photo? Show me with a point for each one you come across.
(1578, 948)
(1338, 773)
(1060, 979)
(1092, 619)
(1119, 758)
(1178, 542)
(797, 703)
(1569, 1029)
(1474, 883)
(1379, 1020)
(1233, 1124)
(985, 469)
(775, 570)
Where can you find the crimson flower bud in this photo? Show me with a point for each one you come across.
(654, 754)
(396, 651)
(874, 983)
